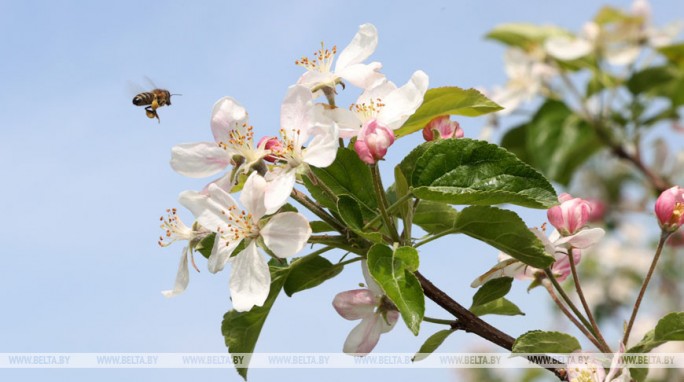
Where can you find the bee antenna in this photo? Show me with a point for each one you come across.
(176, 94)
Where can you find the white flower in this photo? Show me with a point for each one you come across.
(527, 73)
(554, 245)
(176, 230)
(388, 105)
(299, 121)
(349, 66)
(284, 235)
(234, 144)
(371, 307)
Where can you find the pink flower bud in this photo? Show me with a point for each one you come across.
(372, 142)
(442, 128)
(598, 210)
(669, 208)
(272, 144)
(570, 216)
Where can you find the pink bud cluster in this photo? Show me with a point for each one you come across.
(373, 141)
(442, 128)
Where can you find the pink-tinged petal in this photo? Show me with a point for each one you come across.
(363, 76)
(564, 197)
(250, 279)
(253, 195)
(322, 149)
(373, 141)
(286, 233)
(669, 208)
(199, 160)
(182, 276)
(583, 239)
(570, 216)
(278, 189)
(561, 268)
(403, 102)
(388, 322)
(296, 112)
(227, 115)
(360, 48)
(549, 247)
(363, 338)
(355, 304)
(220, 253)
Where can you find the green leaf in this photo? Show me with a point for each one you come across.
(646, 344)
(504, 230)
(674, 53)
(523, 35)
(435, 217)
(401, 189)
(500, 306)
(609, 15)
(656, 80)
(492, 290)
(308, 272)
(205, 245)
(538, 341)
(318, 226)
(555, 141)
(448, 100)
(670, 328)
(352, 213)
(466, 171)
(393, 271)
(601, 80)
(346, 175)
(431, 344)
(241, 329)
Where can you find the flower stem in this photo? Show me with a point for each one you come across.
(569, 302)
(587, 309)
(382, 203)
(439, 321)
(569, 315)
(659, 250)
(318, 211)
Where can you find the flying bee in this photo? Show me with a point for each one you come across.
(153, 100)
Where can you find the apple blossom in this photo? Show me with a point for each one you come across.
(284, 235)
(384, 102)
(176, 230)
(349, 66)
(299, 121)
(377, 314)
(442, 127)
(570, 216)
(669, 208)
(555, 245)
(373, 141)
(234, 144)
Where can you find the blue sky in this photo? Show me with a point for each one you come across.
(87, 175)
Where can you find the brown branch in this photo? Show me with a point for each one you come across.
(471, 323)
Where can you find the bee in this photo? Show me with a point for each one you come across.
(153, 100)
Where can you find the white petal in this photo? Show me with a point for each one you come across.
(363, 76)
(584, 238)
(314, 78)
(182, 277)
(296, 112)
(355, 304)
(360, 48)
(227, 115)
(213, 212)
(565, 48)
(370, 282)
(622, 55)
(199, 160)
(322, 149)
(279, 189)
(286, 233)
(220, 254)
(253, 194)
(250, 279)
(348, 123)
(363, 338)
(506, 268)
(403, 102)
(194, 201)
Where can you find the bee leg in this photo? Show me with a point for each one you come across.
(151, 113)
(155, 104)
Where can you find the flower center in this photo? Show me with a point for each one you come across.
(239, 138)
(369, 110)
(322, 61)
(240, 225)
(174, 229)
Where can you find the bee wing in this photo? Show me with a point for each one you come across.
(134, 88)
(151, 83)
